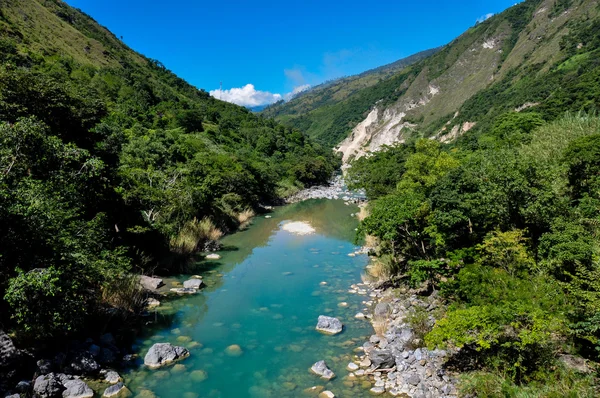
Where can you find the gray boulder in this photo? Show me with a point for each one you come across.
(150, 283)
(193, 284)
(48, 386)
(23, 386)
(161, 354)
(321, 369)
(329, 325)
(118, 390)
(45, 366)
(77, 389)
(8, 351)
(382, 359)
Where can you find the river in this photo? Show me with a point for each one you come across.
(264, 295)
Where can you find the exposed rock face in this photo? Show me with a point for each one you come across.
(161, 354)
(77, 389)
(329, 325)
(150, 283)
(193, 284)
(48, 386)
(321, 369)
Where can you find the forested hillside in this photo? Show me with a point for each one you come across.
(502, 220)
(111, 164)
(310, 111)
(538, 56)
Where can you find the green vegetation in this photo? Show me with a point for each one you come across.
(530, 58)
(110, 163)
(508, 232)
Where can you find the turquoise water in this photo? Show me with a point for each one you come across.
(265, 296)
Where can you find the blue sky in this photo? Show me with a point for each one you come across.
(278, 46)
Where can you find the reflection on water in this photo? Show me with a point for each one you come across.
(251, 330)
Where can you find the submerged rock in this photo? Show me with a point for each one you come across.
(234, 350)
(184, 290)
(321, 369)
(161, 354)
(329, 325)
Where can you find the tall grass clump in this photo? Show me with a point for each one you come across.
(244, 217)
(125, 294)
(193, 234)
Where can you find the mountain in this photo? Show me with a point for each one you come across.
(537, 56)
(111, 163)
(309, 110)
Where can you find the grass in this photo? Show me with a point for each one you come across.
(125, 294)
(245, 217)
(193, 234)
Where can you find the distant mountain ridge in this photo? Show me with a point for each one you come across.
(533, 57)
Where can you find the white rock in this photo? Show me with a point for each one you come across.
(213, 256)
(352, 367)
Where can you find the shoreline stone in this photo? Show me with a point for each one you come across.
(321, 369)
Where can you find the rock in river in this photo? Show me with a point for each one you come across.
(329, 325)
(213, 256)
(77, 389)
(117, 390)
(161, 354)
(321, 369)
(193, 283)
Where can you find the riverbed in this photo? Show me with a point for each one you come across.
(264, 297)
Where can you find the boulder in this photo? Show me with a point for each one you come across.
(382, 359)
(118, 390)
(161, 354)
(329, 325)
(110, 376)
(77, 389)
(150, 283)
(321, 369)
(8, 351)
(23, 386)
(84, 363)
(48, 386)
(193, 283)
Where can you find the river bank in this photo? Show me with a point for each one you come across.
(335, 190)
(393, 359)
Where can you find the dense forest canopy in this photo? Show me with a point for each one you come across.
(111, 164)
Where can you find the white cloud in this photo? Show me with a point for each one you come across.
(246, 96)
(249, 96)
(484, 17)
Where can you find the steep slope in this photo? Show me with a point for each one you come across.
(309, 110)
(111, 163)
(527, 58)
